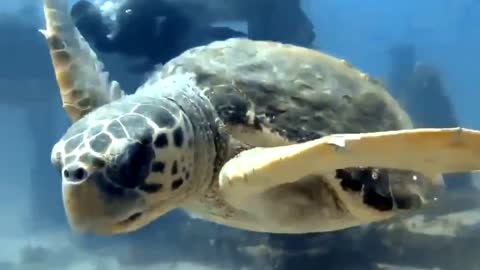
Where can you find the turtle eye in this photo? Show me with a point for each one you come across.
(56, 161)
(146, 140)
(131, 168)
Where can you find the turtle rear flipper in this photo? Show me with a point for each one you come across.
(430, 152)
(84, 86)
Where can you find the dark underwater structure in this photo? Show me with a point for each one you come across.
(156, 31)
(420, 88)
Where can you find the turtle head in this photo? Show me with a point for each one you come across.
(124, 165)
(126, 159)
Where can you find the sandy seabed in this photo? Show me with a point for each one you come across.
(56, 252)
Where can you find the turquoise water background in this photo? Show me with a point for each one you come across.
(445, 34)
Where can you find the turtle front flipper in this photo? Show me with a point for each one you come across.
(429, 152)
(84, 86)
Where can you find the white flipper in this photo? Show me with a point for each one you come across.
(428, 151)
(84, 86)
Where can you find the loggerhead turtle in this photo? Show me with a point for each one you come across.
(255, 135)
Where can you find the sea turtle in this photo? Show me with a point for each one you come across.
(256, 135)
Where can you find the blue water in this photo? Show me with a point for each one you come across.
(33, 230)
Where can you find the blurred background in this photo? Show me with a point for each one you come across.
(426, 52)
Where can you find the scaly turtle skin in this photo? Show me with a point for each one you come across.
(243, 133)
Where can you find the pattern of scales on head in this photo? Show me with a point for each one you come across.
(132, 145)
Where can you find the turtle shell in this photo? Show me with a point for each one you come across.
(270, 94)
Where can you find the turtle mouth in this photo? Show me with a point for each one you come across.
(131, 223)
(130, 219)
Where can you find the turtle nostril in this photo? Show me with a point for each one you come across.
(79, 174)
(75, 174)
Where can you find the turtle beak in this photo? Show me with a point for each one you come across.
(92, 207)
(85, 208)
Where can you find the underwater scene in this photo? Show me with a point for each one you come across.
(240, 134)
